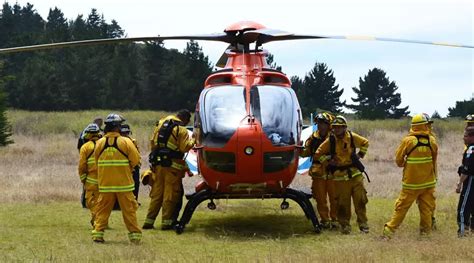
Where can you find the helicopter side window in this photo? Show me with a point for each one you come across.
(276, 108)
(222, 109)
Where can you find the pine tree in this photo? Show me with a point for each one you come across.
(320, 91)
(377, 97)
(271, 63)
(5, 128)
(462, 108)
(435, 115)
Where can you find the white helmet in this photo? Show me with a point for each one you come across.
(114, 119)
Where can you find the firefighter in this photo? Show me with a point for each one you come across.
(322, 186)
(465, 214)
(116, 157)
(338, 151)
(126, 132)
(469, 120)
(417, 154)
(88, 168)
(169, 142)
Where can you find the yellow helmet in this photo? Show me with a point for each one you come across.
(469, 118)
(339, 121)
(324, 117)
(419, 119)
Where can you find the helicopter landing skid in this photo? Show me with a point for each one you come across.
(197, 198)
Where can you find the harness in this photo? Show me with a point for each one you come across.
(114, 145)
(355, 161)
(315, 143)
(419, 143)
(162, 155)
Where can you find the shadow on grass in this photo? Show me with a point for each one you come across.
(242, 227)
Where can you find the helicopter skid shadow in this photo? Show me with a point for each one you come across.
(241, 228)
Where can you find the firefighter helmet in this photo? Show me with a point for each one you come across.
(469, 118)
(428, 118)
(114, 119)
(339, 121)
(419, 119)
(324, 117)
(125, 128)
(92, 128)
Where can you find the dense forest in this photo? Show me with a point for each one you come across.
(125, 76)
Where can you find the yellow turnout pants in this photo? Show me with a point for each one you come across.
(129, 207)
(91, 202)
(156, 198)
(324, 189)
(345, 190)
(426, 205)
(166, 192)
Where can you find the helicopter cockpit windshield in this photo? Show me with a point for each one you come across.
(221, 112)
(277, 110)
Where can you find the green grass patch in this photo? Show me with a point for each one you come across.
(239, 230)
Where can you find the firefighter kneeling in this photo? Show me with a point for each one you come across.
(417, 155)
(169, 143)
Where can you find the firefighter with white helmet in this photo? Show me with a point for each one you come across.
(339, 153)
(116, 157)
(417, 154)
(88, 169)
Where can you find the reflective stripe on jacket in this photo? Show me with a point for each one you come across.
(114, 169)
(87, 167)
(419, 168)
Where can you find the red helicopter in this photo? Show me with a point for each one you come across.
(248, 121)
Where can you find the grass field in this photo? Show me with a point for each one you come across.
(41, 219)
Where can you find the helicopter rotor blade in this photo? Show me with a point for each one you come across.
(263, 36)
(223, 58)
(223, 37)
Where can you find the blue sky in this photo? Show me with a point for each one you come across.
(429, 77)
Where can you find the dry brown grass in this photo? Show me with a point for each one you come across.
(42, 168)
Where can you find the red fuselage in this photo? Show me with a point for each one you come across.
(247, 124)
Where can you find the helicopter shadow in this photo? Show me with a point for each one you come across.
(241, 228)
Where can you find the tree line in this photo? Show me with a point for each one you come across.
(146, 76)
(123, 76)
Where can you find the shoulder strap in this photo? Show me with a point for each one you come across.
(418, 143)
(332, 145)
(165, 132)
(352, 142)
(92, 152)
(115, 145)
(315, 143)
